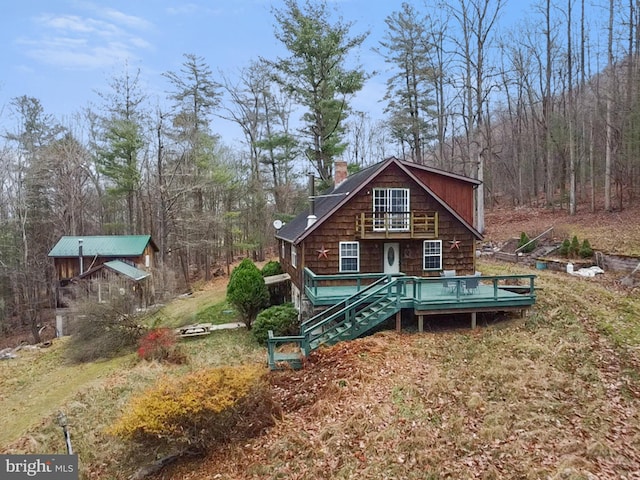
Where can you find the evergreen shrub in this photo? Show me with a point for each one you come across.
(272, 268)
(524, 240)
(585, 249)
(282, 319)
(575, 246)
(247, 292)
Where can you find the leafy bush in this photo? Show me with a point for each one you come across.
(585, 249)
(524, 240)
(247, 292)
(272, 268)
(282, 319)
(160, 344)
(199, 410)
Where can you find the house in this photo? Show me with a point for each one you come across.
(394, 238)
(392, 217)
(105, 266)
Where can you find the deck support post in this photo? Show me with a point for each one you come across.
(420, 323)
(473, 319)
(398, 322)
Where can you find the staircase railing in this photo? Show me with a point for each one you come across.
(343, 304)
(336, 323)
(522, 247)
(376, 302)
(341, 321)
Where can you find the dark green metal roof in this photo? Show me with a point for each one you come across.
(102, 246)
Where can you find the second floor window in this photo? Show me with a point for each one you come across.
(391, 209)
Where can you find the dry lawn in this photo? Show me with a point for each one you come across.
(554, 395)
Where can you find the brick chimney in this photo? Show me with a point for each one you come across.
(339, 172)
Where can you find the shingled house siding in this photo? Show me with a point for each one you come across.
(341, 227)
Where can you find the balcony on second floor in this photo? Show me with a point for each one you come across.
(396, 225)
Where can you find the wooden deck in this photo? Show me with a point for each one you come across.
(428, 296)
(357, 303)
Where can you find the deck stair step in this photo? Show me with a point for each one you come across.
(285, 360)
(345, 321)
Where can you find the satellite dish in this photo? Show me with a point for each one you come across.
(277, 224)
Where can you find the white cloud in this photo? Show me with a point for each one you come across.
(127, 20)
(183, 9)
(72, 41)
(193, 9)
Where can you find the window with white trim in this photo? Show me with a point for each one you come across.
(294, 256)
(432, 255)
(391, 209)
(349, 257)
(282, 250)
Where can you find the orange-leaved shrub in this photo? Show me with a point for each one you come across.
(160, 344)
(200, 410)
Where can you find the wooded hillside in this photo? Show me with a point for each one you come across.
(545, 114)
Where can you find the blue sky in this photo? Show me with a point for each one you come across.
(63, 51)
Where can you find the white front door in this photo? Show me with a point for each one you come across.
(391, 258)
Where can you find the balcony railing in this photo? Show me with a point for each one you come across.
(373, 225)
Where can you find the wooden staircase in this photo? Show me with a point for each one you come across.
(346, 320)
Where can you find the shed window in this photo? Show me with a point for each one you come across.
(294, 256)
(391, 209)
(349, 257)
(432, 255)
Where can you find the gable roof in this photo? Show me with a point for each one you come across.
(102, 246)
(326, 204)
(121, 268)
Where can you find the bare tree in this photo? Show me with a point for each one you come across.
(609, 114)
(477, 19)
(31, 276)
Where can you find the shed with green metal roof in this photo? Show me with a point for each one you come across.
(75, 255)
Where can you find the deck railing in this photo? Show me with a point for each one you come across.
(360, 281)
(415, 288)
(397, 225)
(378, 296)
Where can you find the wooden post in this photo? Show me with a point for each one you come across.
(473, 319)
(59, 325)
(420, 323)
(398, 322)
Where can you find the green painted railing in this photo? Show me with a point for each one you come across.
(377, 297)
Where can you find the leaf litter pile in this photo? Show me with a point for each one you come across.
(553, 395)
